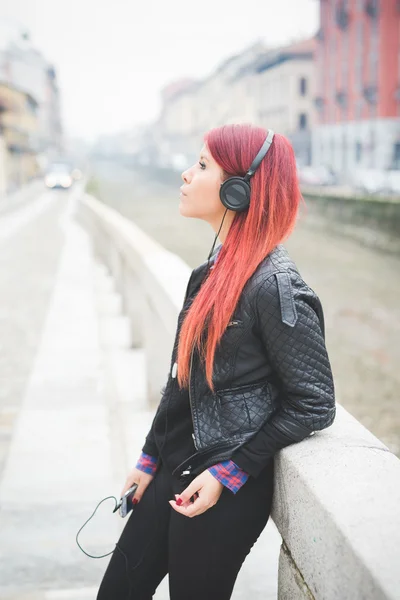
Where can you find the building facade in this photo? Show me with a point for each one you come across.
(269, 87)
(190, 108)
(283, 88)
(29, 105)
(358, 86)
(19, 126)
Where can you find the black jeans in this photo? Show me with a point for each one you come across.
(202, 555)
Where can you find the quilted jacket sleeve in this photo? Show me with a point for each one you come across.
(150, 446)
(291, 325)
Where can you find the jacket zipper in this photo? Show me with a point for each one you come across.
(233, 323)
(190, 397)
(221, 447)
(247, 386)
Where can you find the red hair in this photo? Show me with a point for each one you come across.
(253, 234)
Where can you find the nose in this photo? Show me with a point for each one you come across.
(186, 176)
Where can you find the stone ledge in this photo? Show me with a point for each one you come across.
(336, 503)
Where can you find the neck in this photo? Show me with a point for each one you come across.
(216, 225)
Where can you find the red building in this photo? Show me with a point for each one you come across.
(358, 85)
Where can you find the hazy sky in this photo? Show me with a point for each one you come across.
(113, 56)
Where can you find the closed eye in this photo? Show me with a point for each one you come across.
(202, 165)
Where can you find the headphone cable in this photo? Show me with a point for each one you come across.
(215, 239)
(130, 569)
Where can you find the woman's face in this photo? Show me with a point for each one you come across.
(199, 196)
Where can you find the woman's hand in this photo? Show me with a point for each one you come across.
(139, 477)
(208, 491)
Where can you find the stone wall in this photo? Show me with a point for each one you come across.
(372, 220)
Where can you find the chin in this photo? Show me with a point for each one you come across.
(183, 209)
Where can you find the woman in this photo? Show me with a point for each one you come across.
(249, 375)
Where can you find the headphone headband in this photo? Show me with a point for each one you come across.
(261, 153)
(235, 191)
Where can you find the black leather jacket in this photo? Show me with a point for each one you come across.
(272, 376)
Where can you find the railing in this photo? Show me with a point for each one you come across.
(337, 493)
(150, 280)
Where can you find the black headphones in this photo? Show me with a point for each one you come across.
(235, 191)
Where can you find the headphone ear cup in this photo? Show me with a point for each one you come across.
(235, 194)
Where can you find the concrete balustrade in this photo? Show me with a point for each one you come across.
(150, 280)
(337, 493)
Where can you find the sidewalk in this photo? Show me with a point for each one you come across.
(13, 199)
(60, 462)
(79, 431)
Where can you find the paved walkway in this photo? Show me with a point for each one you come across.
(11, 201)
(79, 426)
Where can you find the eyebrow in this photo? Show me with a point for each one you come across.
(204, 157)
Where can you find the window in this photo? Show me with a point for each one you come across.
(303, 86)
(302, 121)
(358, 152)
(372, 8)
(359, 109)
(31, 105)
(373, 53)
(344, 152)
(396, 155)
(359, 55)
(371, 149)
(332, 74)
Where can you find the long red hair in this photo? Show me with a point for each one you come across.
(253, 234)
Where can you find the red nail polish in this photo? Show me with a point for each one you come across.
(135, 501)
(179, 501)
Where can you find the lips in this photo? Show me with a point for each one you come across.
(182, 192)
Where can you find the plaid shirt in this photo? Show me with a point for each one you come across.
(227, 472)
(147, 463)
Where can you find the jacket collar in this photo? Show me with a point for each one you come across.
(212, 260)
(200, 272)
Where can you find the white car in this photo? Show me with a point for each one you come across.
(58, 176)
(316, 176)
(377, 181)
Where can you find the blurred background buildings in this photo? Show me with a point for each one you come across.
(30, 121)
(336, 96)
(358, 88)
